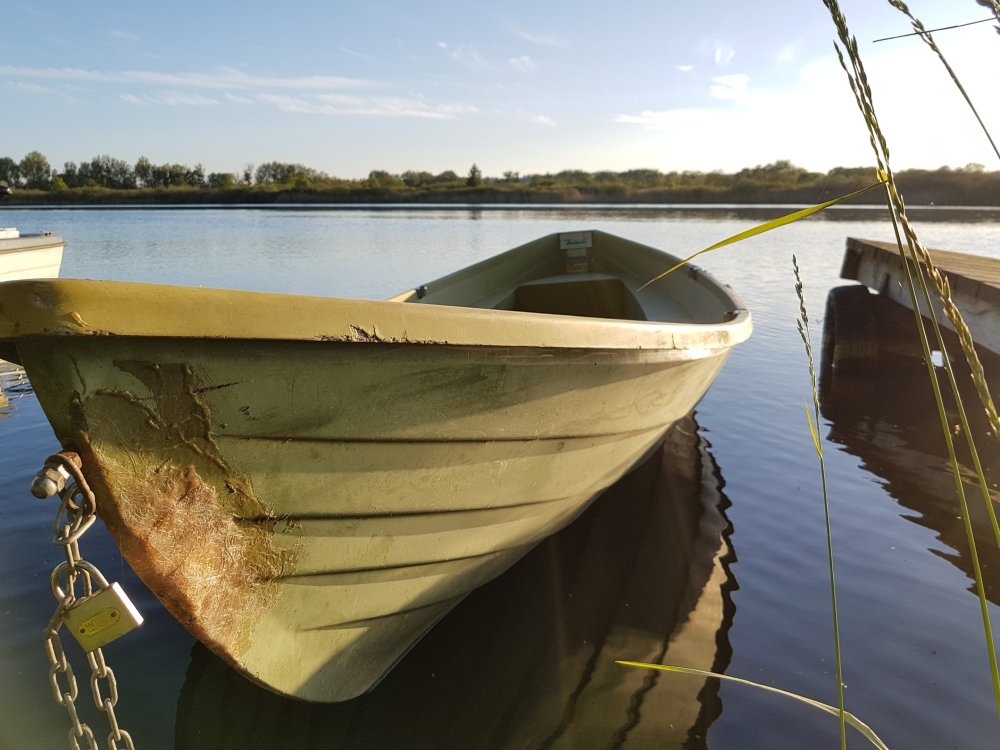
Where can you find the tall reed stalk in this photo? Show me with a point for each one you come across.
(924, 271)
(804, 333)
(919, 271)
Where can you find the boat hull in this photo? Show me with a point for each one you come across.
(309, 484)
(343, 497)
(30, 256)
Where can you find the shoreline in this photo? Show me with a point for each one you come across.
(868, 208)
(487, 197)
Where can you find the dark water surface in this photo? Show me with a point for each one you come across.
(711, 555)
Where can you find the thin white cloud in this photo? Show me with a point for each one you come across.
(649, 119)
(382, 106)
(523, 64)
(324, 95)
(404, 51)
(355, 53)
(787, 54)
(469, 56)
(684, 68)
(287, 103)
(717, 50)
(33, 11)
(544, 120)
(731, 87)
(222, 79)
(171, 99)
(542, 40)
(185, 99)
(124, 36)
(37, 88)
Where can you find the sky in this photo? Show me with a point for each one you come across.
(529, 86)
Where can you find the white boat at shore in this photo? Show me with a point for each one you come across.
(29, 256)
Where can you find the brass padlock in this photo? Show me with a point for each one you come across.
(103, 616)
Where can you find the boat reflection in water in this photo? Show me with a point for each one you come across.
(14, 385)
(528, 660)
(875, 391)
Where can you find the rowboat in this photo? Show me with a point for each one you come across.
(310, 484)
(29, 256)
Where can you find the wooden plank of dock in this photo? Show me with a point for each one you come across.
(974, 280)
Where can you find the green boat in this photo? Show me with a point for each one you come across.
(310, 484)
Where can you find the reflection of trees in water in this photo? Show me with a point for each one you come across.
(881, 408)
(528, 660)
(751, 213)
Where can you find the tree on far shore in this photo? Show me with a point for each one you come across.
(475, 178)
(35, 171)
(10, 173)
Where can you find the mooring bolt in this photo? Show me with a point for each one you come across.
(54, 475)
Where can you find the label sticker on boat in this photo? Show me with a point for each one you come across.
(576, 246)
(573, 240)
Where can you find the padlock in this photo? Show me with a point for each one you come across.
(103, 616)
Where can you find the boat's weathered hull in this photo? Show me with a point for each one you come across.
(309, 509)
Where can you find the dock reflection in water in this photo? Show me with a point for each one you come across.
(881, 409)
(528, 661)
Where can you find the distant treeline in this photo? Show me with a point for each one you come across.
(108, 180)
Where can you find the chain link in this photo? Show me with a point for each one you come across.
(59, 664)
(77, 513)
(80, 730)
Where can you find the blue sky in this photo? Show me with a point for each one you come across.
(515, 85)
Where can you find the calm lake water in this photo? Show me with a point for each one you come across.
(711, 555)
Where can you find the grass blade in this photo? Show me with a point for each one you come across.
(767, 227)
(814, 432)
(813, 416)
(850, 718)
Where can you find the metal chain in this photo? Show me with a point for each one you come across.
(59, 664)
(77, 513)
(101, 671)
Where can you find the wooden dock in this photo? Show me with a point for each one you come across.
(974, 280)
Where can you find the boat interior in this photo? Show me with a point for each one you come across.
(589, 295)
(587, 274)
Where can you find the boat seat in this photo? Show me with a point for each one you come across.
(592, 295)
